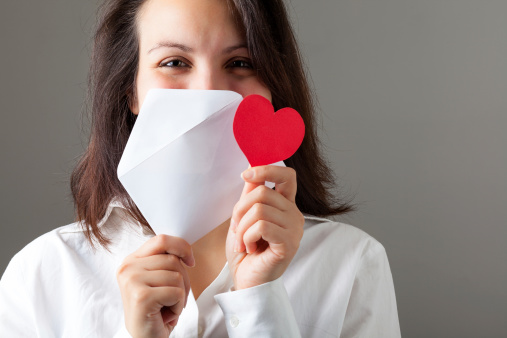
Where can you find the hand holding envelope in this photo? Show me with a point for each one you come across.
(182, 164)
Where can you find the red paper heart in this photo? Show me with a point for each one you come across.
(266, 137)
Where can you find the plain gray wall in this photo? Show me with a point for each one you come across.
(413, 97)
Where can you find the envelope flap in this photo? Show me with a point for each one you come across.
(167, 114)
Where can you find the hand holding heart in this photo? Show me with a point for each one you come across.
(266, 224)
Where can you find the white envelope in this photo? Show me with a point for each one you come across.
(182, 165)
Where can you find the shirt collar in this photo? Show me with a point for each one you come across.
(115, 203)
(77, 226)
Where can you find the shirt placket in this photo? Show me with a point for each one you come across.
(211, 321)
(188, 323)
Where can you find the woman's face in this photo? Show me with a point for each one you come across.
(192, 44)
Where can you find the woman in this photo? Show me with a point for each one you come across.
(273, 269)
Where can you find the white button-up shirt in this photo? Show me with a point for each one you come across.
(339, 284)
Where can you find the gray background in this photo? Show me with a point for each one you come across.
(414, 110)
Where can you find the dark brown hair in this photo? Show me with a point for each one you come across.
(274, 53)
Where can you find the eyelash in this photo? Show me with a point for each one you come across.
(248, 63)
(165, 64)
(243, 61)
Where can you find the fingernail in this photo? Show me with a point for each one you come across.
(236, 246)
(233, 225)
(247, 174)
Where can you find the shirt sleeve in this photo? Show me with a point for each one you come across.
(260, 311)
(16, 312)
(372, 311)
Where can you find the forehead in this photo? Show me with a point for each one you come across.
(200, 23)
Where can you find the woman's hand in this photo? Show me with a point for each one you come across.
(266, 224)
(154, 285)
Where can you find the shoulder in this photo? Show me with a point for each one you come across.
(47, 252)
(59, 280)
(325, 235)
(28, 284)
(32, 254)
(66, 249)
(331, 250)
(63, 238)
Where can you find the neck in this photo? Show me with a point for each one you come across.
(210, 258)
(213, 242)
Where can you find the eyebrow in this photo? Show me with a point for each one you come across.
(188, 49)
(231, 49)
(168, 44)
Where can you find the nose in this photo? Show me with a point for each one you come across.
(209, 79)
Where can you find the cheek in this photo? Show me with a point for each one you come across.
(146, 82)
(251, 86)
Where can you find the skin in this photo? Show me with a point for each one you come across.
(195, 44)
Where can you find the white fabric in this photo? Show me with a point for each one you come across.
(339, 284)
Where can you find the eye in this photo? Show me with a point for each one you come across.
(176, 63)
(241, 64)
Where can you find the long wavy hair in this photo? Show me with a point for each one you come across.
(114, 63)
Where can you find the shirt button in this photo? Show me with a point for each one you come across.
(234, 321)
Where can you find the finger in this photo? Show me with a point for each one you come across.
(169, 317)
(248, 187)
(256, 213)
(169, 296)
(162, 278)
(161, 262)
(283, 177)
(162, 244)
(173, 263)
(260, 194)
(267, 231)
(164, 262)
(152, 299)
